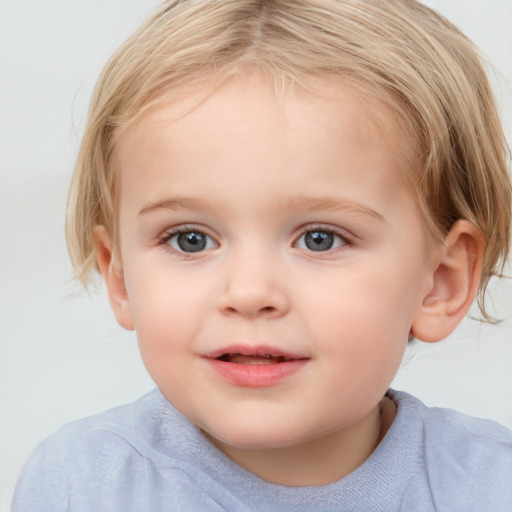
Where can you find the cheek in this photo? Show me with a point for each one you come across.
(166, 313)
(165, 328)
(365, 317)
(161, 296)
(361, 299)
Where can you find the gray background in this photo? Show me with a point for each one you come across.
(62, 354)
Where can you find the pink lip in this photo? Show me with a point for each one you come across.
(255, 375)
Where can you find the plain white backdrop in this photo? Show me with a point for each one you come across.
(63, 356)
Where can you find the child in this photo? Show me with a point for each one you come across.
(280, 195)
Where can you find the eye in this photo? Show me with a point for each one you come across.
(320, 240)
(189, 241)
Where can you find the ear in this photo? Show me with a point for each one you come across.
(455, 283)
(113, 276)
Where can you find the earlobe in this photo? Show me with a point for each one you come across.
(455, 281)
(112, 276)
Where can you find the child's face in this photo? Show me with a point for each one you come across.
(260, 226)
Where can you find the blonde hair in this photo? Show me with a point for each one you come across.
(397, 50)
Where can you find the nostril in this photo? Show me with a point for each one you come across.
(252, 301)
(266, 310)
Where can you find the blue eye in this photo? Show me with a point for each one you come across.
(190, 241)
(320, 240)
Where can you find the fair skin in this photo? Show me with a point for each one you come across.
(274, 263)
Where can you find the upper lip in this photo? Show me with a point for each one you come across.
(253, 350)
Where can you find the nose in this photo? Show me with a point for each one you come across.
(253, 286)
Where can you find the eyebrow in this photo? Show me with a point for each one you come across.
(332, 204)
(182, 203)
(293, 203)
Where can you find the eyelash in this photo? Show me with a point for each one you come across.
(167, 236)
(342, 235)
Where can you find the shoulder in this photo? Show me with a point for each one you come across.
(122, 430)
(467, 461)
(92, 457)
(476, 445)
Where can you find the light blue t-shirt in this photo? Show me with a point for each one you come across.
(146, 456)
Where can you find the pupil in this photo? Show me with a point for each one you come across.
(319, 240)
(192, 242)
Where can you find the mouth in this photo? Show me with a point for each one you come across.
(237, 358)
(250, 354)
(254, 367)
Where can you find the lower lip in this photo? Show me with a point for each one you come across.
(256, 375)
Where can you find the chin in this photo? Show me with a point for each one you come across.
(256, 437)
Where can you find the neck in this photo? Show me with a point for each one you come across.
(320, 461)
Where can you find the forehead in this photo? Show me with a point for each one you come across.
(246, 119)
